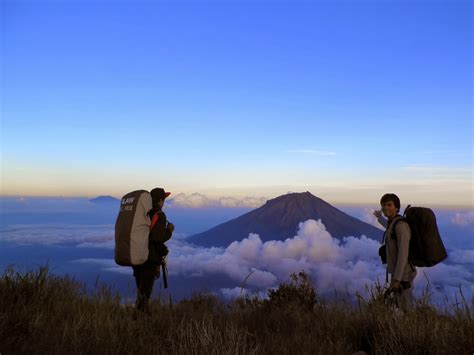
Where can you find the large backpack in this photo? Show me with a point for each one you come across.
(132, 228)
(426, 247)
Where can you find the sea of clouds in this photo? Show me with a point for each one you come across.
(337, 266)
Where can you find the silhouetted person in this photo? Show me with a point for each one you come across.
(397, 240)
(161, 232)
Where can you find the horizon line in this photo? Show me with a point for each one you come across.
(340, 203)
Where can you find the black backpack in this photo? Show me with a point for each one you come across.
(426, 247)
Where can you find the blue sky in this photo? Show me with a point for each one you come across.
(347, 99)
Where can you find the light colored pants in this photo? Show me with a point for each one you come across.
(404, 299)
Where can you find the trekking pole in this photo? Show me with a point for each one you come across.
(165, 272)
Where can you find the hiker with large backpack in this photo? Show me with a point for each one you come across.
(410, 240)
(141, 230)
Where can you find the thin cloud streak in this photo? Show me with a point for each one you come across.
(312, 152)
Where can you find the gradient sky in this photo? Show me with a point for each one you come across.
(348, 99)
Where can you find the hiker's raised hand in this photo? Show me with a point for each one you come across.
(377, 213)
(170, 227)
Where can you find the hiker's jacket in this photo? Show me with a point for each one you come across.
(397, 243)
(158, 236)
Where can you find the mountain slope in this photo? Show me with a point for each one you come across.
(278, 219)
(105, 200)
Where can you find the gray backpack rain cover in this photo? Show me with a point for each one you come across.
(132, 228)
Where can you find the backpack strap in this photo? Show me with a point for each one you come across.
(154, 220)
(406, 209)
(393, 232)
(393, 225)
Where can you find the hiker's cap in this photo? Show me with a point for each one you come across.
(159, 193)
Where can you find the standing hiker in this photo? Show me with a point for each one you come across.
(397, 242)
(161, 231)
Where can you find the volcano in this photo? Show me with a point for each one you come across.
(278, 219)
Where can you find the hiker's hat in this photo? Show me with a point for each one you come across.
(159, 193)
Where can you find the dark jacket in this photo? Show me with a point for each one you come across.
(157, 238)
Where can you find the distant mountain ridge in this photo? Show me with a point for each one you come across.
(278, 219)
(104, 200)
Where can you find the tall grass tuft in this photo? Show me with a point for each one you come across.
(43, 313)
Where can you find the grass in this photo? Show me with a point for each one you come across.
(43, 313)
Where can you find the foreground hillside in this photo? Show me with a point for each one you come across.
(43, 313)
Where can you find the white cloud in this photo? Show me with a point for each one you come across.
(101, 262)
(336, 264)
(197, 200)
(463, 218)
(368, 217)
(343, 265)
(462, 256)
(312, 152)
(107, 244)
(193, 200)
(347, 265)
(105, 264)
(236, 292)
(59, 234)
(437, 169)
